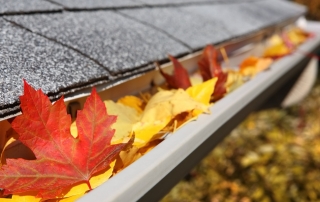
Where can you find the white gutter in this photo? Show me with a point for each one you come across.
(152, 175)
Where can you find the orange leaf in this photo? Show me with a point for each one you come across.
(253, 65)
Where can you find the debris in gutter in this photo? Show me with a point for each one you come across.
(146, 121)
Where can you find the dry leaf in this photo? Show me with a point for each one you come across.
(26, 197)
(61, 159)
(180, 76)
(276, 48)
(134, 102)
(253, 65)
(127, 116)
(235, 80)
(202, 92)
(210, 67)
(10, 137)
(163, 107)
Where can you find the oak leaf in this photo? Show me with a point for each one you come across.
(179, 78)
(61, 160)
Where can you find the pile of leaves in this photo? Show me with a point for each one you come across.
(272, 156)
(61, 159)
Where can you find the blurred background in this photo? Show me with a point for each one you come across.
(274, 155)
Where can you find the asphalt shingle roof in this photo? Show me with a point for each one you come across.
(200, 30)
(97, 4)
(47, 65)
(118, 43)
(62, 50)
(29, 6)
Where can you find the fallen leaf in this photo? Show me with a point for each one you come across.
(134, 102)
(235, 80)
(220, 88)
(297, 36)
(5, 126)
(25, 197)
(276, 48)
(61, 159)
(202, 92)
(69, 193)
(126, 117)
(96, 180)
(126, 158)
(210, 68)
(253, 65)
(147, 148)
(180, 76)
(68, 199)
(178, 121)
(277, 51)
(160, 110)
(10, 137)
(208, 65)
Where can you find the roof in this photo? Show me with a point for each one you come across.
(63, 46)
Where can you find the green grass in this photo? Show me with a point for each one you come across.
(274, 155)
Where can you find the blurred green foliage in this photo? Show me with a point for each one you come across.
(274, 155)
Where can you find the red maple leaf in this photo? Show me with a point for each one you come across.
(179, 78)
(61, 160)
(209, 68)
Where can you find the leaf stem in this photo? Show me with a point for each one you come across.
(89, 185)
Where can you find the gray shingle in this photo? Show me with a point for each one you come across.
(172, 2)
(193, 30)
(231, 16)
(43, 63)
(243, 18)
(92, 4)
(26, 6)
(118, 43)
(181, 2)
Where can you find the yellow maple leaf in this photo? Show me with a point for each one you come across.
(276, 51)
(126, 117)
(297, 36)
(126, 157)
(132, 101)
(160, 110)
(26, 197)
(68, 199)
(202, 92)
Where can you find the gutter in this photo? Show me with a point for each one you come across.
(154, 174)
